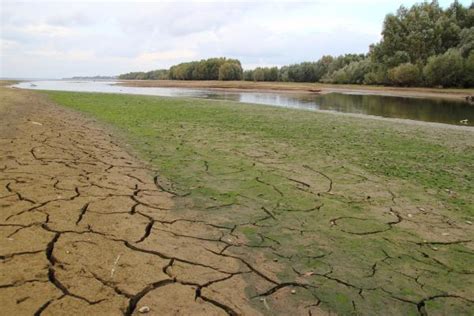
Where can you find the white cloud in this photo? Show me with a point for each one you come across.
(165, 56)
(73, 55)
(47, 30)
(64, 38)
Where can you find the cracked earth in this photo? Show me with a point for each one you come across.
(87, 228)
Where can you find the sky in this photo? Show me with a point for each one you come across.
(64, 38)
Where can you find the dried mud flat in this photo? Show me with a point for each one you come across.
(77, 216)
(88, 228)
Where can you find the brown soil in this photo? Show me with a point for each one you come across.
(87, 229)
(293, 87)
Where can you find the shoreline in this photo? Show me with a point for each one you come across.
(303, 88)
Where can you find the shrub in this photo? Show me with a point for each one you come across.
(405, 75)
(354, 72)
(445, 70)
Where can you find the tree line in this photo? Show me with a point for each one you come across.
(160, 74)
(206, 69)
(424, 45)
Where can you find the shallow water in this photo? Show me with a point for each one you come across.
(428, 110)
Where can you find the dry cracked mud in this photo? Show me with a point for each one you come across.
(89, 228)
(86, 228)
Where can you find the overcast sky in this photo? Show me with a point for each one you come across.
(54, 39)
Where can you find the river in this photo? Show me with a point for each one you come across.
(427, 110)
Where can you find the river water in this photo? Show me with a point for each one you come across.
(428, 110)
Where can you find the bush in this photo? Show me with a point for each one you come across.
(445, 70)
(405, 75)
(340, 76)
(354, 72)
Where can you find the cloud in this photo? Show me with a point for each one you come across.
(47, 30)
(72, 55)
(64, 38)
(165, 56)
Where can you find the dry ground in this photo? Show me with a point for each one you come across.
(76, 214)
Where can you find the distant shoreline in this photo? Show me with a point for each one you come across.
(307, 88)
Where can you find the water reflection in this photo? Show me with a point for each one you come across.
(436, 110)
(428, 110)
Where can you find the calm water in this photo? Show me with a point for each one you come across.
(440, 111)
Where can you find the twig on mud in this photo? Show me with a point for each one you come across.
(115, 264)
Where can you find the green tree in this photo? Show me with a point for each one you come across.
(445, 70)
(258, 74)
(466, 41)
(230, 71)
(469, 70)
(321, 67)
(283, 74)
(248, 75)
(271, 74)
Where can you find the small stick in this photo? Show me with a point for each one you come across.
(113, 268)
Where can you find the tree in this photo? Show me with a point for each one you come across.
(271, 74)
(449, 32)
(322, 66)
(248, 75)
(284, 74)
(445, 70)
(258, 74)
(230, 71)
(466, 41)
(421, 31)
(463, 16)
(469, 71)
